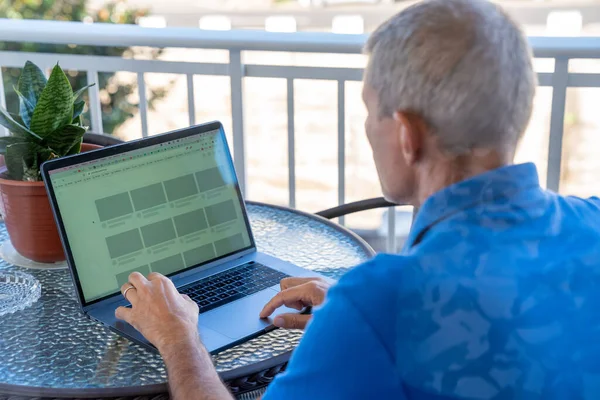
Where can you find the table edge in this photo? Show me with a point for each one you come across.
(342, 229)
(161, 388)
(92, 393)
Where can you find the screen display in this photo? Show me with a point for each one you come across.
(164, 208)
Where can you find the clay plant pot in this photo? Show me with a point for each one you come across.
(29, 220)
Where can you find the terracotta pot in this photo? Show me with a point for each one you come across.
(29, 220)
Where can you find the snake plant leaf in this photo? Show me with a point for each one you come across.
(75, 149)
(17, 118)
(55, 106)
(16, 128)
(77, 110)
(22, 157)
(31, 82)
(63, 139)
(80, 91)
(7, 141)
(25, 108)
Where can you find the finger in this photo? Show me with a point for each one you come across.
(155, 275)
(129, 294)
(294, 297)
(124, 313)
(165, 284)
(287, 283)
(138, 280)
(187, 298)
(194, 306)
(292, 321)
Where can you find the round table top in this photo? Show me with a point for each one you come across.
(51, 346)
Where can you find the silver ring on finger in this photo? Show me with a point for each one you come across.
(127, 290)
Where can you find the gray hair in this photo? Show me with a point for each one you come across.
(462, 65)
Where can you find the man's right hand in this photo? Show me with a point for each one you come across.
(296, 293)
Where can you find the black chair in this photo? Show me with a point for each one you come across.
(250, 382)
(101, 139)
(357, 206)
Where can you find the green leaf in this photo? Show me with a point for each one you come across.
(14, 160)
(20, 156)
(76, 149)
(55, 106)
(80, 91)
(17, 118)
(63, 139)
(78, 109)
(9, 122)
(25, 108)
(31, 82)
(7, 141)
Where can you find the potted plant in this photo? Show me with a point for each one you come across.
(48, 126)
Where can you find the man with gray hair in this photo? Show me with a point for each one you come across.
(495, 294)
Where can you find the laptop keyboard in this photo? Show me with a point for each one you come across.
(233, 284)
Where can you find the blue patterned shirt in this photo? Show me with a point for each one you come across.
(496, 295)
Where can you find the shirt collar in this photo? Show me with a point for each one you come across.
(485, 188)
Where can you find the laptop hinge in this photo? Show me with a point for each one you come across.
(113, 299)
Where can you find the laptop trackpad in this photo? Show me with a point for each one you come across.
(212, 340)
(240, 318)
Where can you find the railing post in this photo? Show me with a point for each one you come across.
(3, 130)
(94, 105)
(391, 239)
(143, 103)
(191, 100)
(341, 145)
(237, 113)
(560, 82)
(291, 143)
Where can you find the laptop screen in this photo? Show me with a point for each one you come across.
(163, 208)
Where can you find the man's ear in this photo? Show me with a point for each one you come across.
(411, 131)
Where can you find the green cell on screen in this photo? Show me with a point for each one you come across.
(220, 213)
(168, 265)
(124, 243)
(123, 277)
(181, 187)
(114, 206)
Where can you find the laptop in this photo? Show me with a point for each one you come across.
(171, 204)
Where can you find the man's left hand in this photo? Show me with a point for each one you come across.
(159, 311)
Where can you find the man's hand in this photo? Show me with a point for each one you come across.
(169, 321)
(158, 311)
(296, 293)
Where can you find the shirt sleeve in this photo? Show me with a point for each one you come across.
(340, 357)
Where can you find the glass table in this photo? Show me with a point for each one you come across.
(51, 350)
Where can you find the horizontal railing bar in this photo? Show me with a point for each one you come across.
(124, 35)
(294, 72)
(545, 79)
(565, 47)
(17, 59)
(574, 80)
(583, 80)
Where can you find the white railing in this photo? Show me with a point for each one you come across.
(236, 42)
